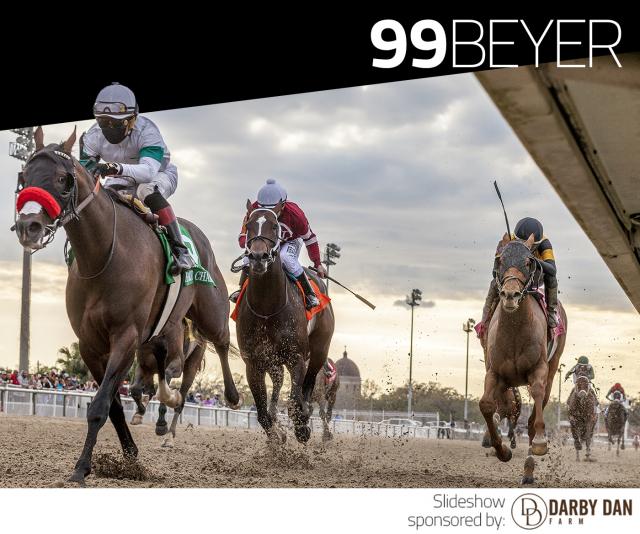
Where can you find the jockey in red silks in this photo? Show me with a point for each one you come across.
(295, 232)
(622, 397)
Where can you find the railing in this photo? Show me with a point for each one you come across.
(74, 404)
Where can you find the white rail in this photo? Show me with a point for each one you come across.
(74, 404)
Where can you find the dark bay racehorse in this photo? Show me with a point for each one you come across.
(615, 423)
(581, 406)
(272, 328)
(325, 395)
(516, 348)
(116, 287)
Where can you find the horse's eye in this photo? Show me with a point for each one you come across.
(275, 227)
(62, 180)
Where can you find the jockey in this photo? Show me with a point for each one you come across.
(135, 158)
(583, 367)
(543, 251)
(296, 231)
(621, 397)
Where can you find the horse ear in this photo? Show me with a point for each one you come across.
(278, 207)
(39, 138)
(68, 144)
(505, 239)
(248, 205)
(529, 242)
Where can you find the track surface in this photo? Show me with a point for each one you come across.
(41, 452)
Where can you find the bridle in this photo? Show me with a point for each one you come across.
(274, 246)
(528, 283)
(71, 209)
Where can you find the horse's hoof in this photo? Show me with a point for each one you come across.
(327, 436)
(527, 479)
(303, 433)
(168, 442)
(513, 444)
(506, 454)
(539, 448)
(78, 477)
(486, 441)
(136, 419)
(622, 446)
(161, 430)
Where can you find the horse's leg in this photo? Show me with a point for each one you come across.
(161, 423)
(298, 407)
(142, 384)
(515, 415)
(230, 391)
(277, 378)
(116, 414)
(120, 360)
(537, 381)
(318, 351)
(256, 380)
(191, 366)
(331, 400)
(488, 408)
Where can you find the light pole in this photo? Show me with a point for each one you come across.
(559, 390)
(331, 252)
(21, 149)
(413, 300)
(468, 328)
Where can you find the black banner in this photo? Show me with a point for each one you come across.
(201, 59)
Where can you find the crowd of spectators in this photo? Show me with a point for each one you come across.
(52, 379)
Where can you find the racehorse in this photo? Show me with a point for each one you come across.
(272, 328)
(581, 406)
(516, 347)
(116, 286)
(615, 422)
(324, 394)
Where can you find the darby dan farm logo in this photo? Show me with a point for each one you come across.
(529, 511)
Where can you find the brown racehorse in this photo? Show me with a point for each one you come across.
(272, 328)
(516, 353)
(325, 395)
(116, 287)
(615, 422)
(581, 406)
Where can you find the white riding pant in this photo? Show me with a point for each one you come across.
(166, 181)
(289, 254)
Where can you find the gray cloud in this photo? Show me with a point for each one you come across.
(398, 174)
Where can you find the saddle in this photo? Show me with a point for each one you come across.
(135, 204)
(324, 299)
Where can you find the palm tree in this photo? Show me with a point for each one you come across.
(71, 362)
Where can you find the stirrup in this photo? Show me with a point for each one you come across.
(311, 301)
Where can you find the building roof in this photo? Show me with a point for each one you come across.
(347, 367)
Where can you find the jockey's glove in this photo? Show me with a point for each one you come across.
(109, 169)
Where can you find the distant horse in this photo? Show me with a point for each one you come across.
(615, 422)
(324, 393)
(516, 348)
(272, 328)
(581, 406)
(116, 286)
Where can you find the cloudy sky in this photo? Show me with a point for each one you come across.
(400, 175)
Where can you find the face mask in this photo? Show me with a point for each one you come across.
(113, 130)
(115, 135)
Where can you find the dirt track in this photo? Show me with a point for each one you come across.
(39, 452)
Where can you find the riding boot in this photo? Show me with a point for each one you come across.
(160, 207)
(184, 261)
(243, 277)
(310, 296)
(552, 305)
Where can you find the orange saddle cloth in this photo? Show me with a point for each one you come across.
(324, 299)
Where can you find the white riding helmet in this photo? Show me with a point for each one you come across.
(271, 193)
(116, 101)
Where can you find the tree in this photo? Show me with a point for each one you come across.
(71, 362)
